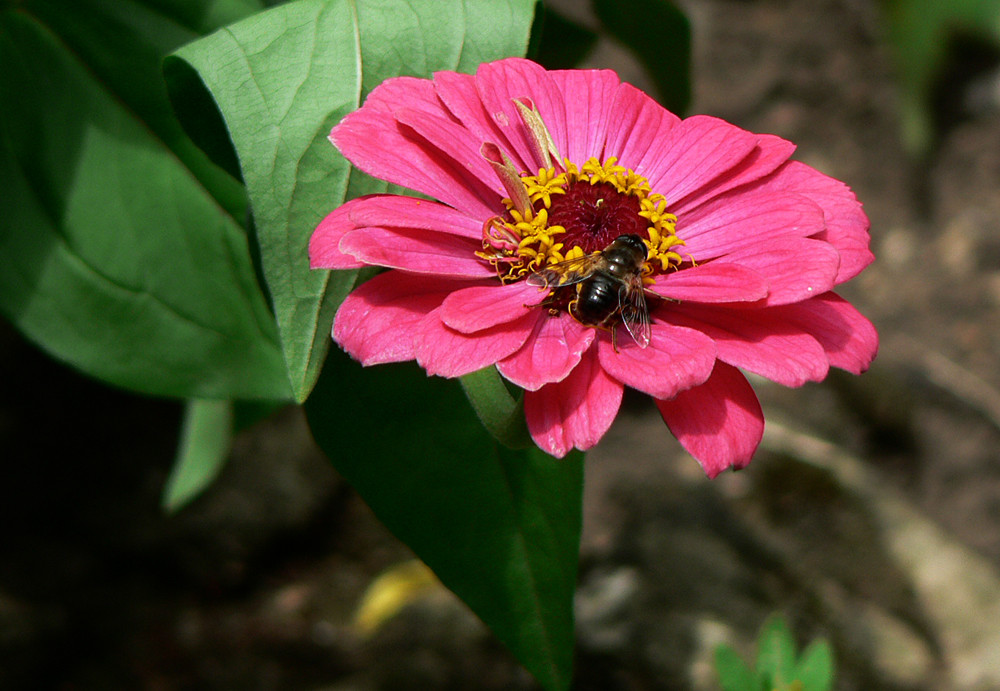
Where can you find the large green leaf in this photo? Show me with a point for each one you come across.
(281, 80)
(116, 256)
(123, 42)
(499, 527)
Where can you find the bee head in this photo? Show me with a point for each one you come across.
(633, 242)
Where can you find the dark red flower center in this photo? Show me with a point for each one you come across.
(594, 215)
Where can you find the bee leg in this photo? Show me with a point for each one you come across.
(571, 308)
(614, 339)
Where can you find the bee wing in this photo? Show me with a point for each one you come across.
(564, 273)
(635, 313)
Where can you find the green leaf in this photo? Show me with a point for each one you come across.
(115, 257)
(815, 667)
(123, 44)
(559, 43)
(206, 439)
(919, 32)
(282, 79)
(501, 413)
(659, 33)
(776, 652)
(734, 674)
(499, 527)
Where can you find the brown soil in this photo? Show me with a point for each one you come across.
(871, 516)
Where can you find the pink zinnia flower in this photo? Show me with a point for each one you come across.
(532, 168)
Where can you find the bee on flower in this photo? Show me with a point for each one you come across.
(583, 239)
(602, 289)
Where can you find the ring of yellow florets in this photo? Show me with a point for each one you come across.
(522, 242)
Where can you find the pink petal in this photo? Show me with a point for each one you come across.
(460, 149)
(757, 340)
(574, 412)
(500, 82)
(414, 92)
(720, 423)
(846, 222)
(374, 322)
(480, 307)
(372, 140)
(552, 350)
(398, 211)
(418, 251)
(638, 129)
(796, 268)
(770, 152)
(715, 281)
(849, 339)
(588, 95)
(448, 353)
(676, 359)
(324, 245)
(854, 251)
(697, 151)
(740, 220)
(459, 94)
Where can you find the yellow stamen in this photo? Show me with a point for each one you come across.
(536, 245)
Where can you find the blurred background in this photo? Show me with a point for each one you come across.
(870, 516)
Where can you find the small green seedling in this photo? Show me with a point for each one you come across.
(778, 668)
